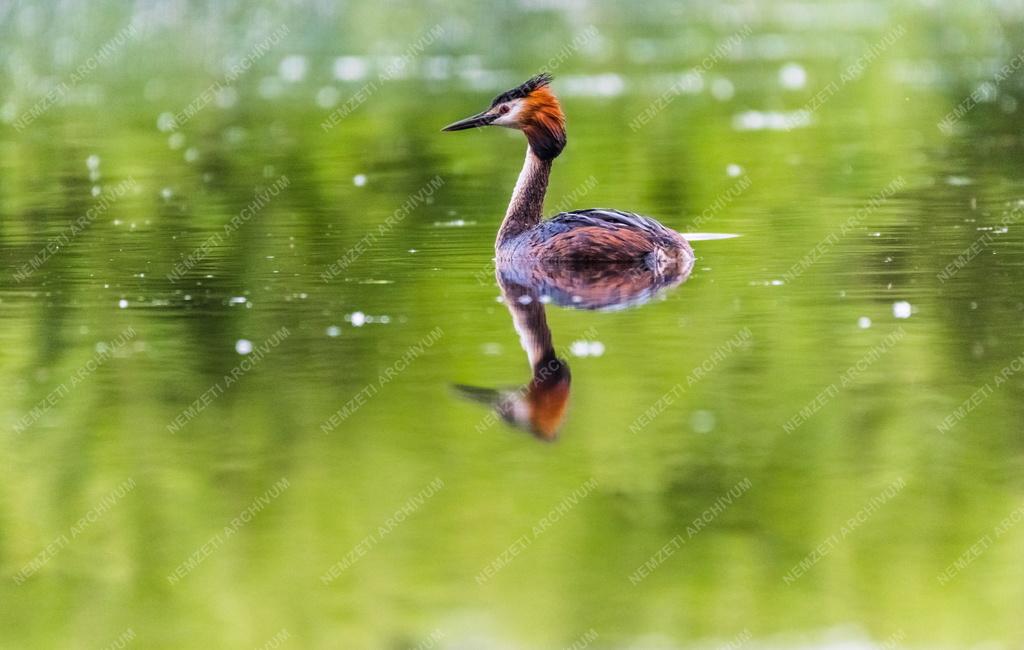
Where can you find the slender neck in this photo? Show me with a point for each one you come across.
(527, 205)
(531, 323)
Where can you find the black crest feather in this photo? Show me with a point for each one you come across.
(524, 89)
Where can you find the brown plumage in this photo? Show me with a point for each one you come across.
(600, 235)
(594, 242)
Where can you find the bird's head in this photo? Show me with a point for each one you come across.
(530, 107)
(538, 407)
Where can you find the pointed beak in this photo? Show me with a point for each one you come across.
(488, 396)
(480, 119)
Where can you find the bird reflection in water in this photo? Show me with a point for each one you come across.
(540, 406)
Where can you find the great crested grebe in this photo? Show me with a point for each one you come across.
(594, 235)
(540, 406)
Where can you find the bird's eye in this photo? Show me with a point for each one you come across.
(503, 109)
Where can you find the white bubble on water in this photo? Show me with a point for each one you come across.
(166, 122)
(586, 348)
(122, 303)
(902, 309)
(357, 318)
(492, 349)
(691, 82)
(702, 421)
(598, 85)
(243, 346)
(226, 97)
(792, 76)
(771, 120)
(733, 170)
(333, 331)
(863, 322)
(327, 97)
(359, 180)
(349, 68)
(93, 162)
(722, 89)
(293, 67)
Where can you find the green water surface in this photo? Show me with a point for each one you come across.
(228, 416)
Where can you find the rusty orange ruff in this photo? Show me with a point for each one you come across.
(542, 114)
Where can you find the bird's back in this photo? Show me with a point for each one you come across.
(599, 234)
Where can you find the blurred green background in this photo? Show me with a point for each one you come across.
(392, 74)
